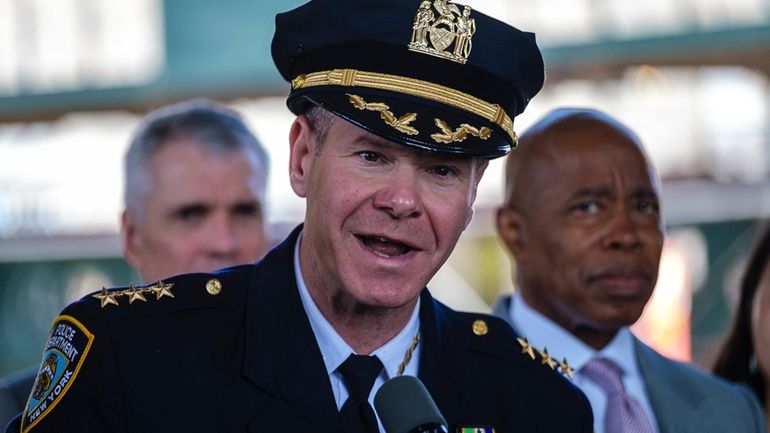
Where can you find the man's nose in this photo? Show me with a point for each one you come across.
(400, 195)
(221, 238)
(623, 231)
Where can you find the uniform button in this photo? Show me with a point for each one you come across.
(214, 286)
(480, 327)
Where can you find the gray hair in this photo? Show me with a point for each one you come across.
(321, 120)
(208, 124)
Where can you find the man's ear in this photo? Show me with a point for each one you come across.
(129, 234)
(478, 173)
(512, 230)
(302, 142)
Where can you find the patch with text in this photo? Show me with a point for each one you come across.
(65, 351)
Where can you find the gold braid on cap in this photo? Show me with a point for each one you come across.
(412, 87)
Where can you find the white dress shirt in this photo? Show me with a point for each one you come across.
(542, 332)
(335, 350)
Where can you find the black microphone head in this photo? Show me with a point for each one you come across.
(405, 406)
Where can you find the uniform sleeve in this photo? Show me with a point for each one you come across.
(77, 388)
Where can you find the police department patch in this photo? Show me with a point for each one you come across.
(67, 347)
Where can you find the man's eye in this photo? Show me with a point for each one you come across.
(647, 207)
(588, 207)
(443, 171)
(369, 156)
(247, 209)
(190, 213)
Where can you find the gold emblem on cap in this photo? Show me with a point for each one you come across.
(461, 133)
(480, 327)
(401, 123)
(447, 35)
(214, 286)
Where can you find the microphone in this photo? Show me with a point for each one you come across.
(405, 406)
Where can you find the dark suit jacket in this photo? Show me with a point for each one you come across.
(685, 399)
(247, 360)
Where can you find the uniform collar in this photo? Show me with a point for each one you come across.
(542, 332)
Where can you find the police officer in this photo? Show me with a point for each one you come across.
(395, 126)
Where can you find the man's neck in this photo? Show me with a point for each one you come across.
(596, 338)
(364, 328)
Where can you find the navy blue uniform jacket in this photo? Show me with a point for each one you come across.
(246, 359)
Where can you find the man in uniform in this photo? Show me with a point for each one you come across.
(195, 180)
(388, 147)
(582, 219)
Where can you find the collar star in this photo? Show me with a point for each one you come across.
(134, 295)
(565, 368)
(106, 297)
(526, 347)
(547, 359)
(162, 289)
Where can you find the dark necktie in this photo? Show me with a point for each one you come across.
(359, 373)
(624, 414)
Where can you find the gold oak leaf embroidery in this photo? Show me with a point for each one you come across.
(400, 123)
(461, 133)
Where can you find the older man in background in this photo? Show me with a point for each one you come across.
(195, 181)
(582, 219)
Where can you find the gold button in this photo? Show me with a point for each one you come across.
(214, 286)
(480, 327)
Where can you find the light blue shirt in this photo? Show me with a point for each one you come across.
(541, 332)
(335, 350)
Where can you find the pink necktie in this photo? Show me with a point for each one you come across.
(624, 414)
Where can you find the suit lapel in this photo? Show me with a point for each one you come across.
(282, 356)
(671, 400)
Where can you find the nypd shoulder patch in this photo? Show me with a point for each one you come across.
(65, 351)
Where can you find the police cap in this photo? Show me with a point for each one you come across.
(434, 75)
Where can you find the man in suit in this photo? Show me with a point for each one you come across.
(390, 141)
(195, 180)
(582, 220)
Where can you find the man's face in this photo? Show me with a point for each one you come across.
(587, 234)
(204, 213)
(381, 218)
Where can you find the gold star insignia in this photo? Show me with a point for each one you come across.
(526, 347)
(106, 297)
(547, 359)
(565, 368)
(134, 294)
(162, 289)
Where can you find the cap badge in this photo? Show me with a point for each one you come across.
(446, 34)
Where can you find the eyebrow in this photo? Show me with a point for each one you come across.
(373, 140)
(606, 191)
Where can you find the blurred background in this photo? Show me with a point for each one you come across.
(690, 76)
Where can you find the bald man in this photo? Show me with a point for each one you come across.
(582, 220)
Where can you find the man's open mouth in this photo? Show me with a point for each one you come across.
(384, 247)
